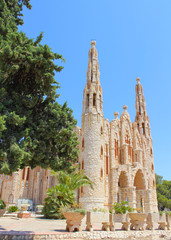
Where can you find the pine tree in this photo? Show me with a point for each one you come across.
(35, 130)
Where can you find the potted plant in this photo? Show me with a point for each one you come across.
(24, 213)
(2, 207)
(39, 208)
(120, 211)
(63, 194)
(74, 215)
(24, 207)
(12, 209)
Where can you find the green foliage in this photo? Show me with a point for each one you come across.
(168, 213)
(12, 209)
(63, 194)
(121, 207)
(34, 129)
(104, 210)
(74, 208)
(163, 193)
(2, 204)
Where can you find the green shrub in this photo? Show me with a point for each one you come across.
(121, 207)
(74, 208)
(100, 210)
(2, 204)
(12, 209)
(168, 213)
(63, 194)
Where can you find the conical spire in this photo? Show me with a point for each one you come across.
(93, 74)
(140, 102)
(92, 96)
(141, 113)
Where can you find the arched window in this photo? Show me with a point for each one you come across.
(23, 176)
(83, 144)
(107, 160)
(101, 131)
(87, 100)
(28, 174)
(151, 151)
(94, 99)
(101, 173)
(116, 145)
(82, 164)
(143, 128)
(101, 151)
(153, 184)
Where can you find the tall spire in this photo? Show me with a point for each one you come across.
(92, 99)
(93, 74)
(141, 113)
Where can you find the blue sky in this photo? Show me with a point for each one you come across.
(133, 38)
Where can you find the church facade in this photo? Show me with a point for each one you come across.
(117, 156)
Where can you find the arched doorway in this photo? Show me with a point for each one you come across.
(11, 199)
(139, 183)
(122, 187)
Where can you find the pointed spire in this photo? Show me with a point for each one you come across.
(141, 113)
(140, 102)
(93, 74)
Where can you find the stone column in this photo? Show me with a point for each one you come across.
(132, 197)
(148, 206)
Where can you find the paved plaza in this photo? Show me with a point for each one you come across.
(13, 228)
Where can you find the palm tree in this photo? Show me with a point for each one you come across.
(63, 194)
(73, 180)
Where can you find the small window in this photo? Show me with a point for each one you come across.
(151, 151)
(101, 151)
(101, 173)
(143, 128)
(101, 130)
(88, 100)
(82, 165)
(153, 184)
(94, 99)
(28, 174)
(23, 176)
(83, 144)
(107, 166)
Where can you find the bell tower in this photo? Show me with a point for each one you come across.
(92, 141)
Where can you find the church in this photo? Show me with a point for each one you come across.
(117, 156)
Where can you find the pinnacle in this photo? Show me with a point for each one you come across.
(93, 43)
(138, 79)
(125, 107)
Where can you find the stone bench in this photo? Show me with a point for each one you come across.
(106, 226)
(162, 225)
(162, 222)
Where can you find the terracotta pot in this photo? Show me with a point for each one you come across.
(120, 217)
(2, 211)
(137, 216)
(24, 207)
(73, 221)
(39, 208)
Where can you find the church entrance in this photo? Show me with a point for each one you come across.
(139, 183)
(122, 187)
